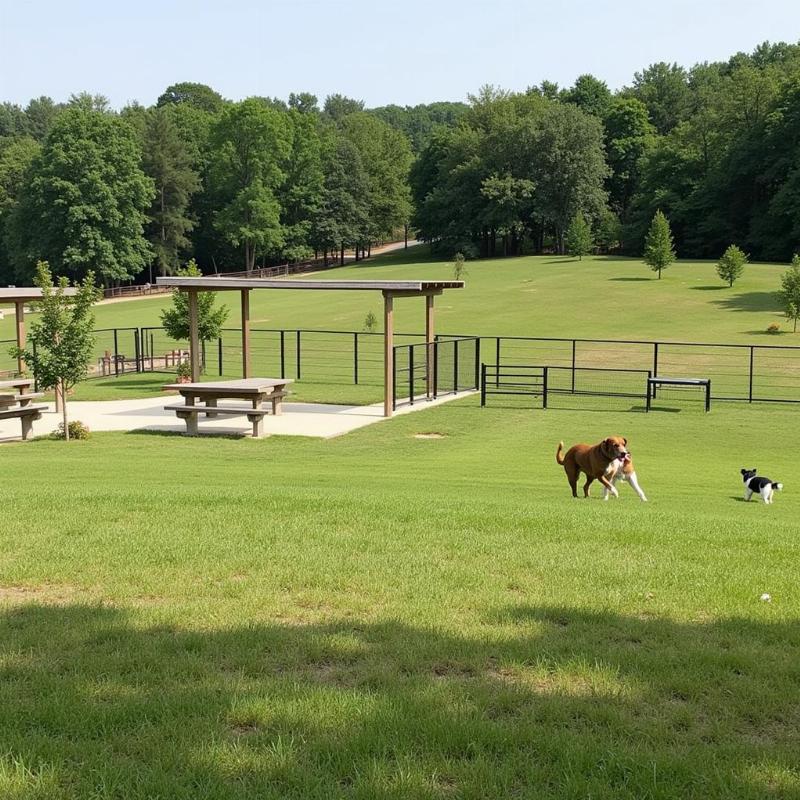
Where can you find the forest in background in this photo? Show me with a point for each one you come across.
(136, 192)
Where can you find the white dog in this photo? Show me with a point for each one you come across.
(621, 469)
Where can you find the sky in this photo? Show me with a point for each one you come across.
(415, 51)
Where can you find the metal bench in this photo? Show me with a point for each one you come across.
(655, 381)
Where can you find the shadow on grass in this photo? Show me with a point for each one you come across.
(631, 280)
(708, 288)
(557, 702)
(750, 301)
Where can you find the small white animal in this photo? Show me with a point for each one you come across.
(756, 484)
(621, 469)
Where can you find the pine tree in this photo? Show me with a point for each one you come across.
(167, 160)
(579, 237)
(659, 252)
(731, 265)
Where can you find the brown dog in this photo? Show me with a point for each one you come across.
(593, 461)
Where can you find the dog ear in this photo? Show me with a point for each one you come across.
(625, 441)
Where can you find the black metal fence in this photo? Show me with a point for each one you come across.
(748, 372)
(447, 366)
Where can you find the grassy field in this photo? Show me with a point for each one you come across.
(385, 616)
(530, 296)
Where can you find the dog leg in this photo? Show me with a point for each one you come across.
(611, 488)
(586, 485)
(636, 488)
(748, 493)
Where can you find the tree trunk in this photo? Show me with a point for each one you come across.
(406, 235)
(341, 255)
(64, 409)
(369, 250)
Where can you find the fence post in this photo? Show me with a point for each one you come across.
(750, 392)
(655, 360)
(573, 365)
(477, 360)
(497, 361)
(411, 374)
(455, 366)
(203, 355)
(137, 349)
(219, 354)
(297, 355)
(355, 357)
(116, 354)
(394, 379)
(544, 386)
(436, 367)
(152, 349)
(483, 384)
(283, 355)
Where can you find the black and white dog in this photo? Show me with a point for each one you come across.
(755, 484)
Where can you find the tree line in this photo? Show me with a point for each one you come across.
(716, 148)
(136, 193)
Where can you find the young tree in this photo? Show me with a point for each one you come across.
(579, 237)
(61, 339)
(731, 265)
(210, 319)
(459, 266)
(790, 291)
(659, 252)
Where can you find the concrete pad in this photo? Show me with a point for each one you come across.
(298, 419)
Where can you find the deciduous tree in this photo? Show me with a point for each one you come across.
(659, 252)
(61, 339)
(731, 264)
(579, 237)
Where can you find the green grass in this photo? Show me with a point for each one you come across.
(531, 296)
(383, 616)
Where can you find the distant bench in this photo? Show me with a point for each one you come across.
(657, 381)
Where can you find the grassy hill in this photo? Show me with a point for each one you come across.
(531, 296)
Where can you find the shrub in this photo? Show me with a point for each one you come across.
(370, 322)
(184, 369)
(459, 269)
(773, 328)
(77, 430)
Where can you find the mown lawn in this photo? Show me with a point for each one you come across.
(530, 296)
(385, 616)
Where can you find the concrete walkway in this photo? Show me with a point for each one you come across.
(298, 419)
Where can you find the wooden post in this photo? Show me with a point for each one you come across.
(388, 354)
(429, 338)
(19, 305)
(246, 333)
(194, 336)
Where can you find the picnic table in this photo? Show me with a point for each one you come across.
(15, 402)
(256, 390)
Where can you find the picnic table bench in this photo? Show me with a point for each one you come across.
(15, 403)
(257, 390)
(659, 380)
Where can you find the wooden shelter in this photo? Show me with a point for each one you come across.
(19, 296)
(389, 289)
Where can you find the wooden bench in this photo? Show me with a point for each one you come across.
(26, 414)
(656, 381)
(190, 414)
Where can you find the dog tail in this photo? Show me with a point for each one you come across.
(777, 486)
(559, 457)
